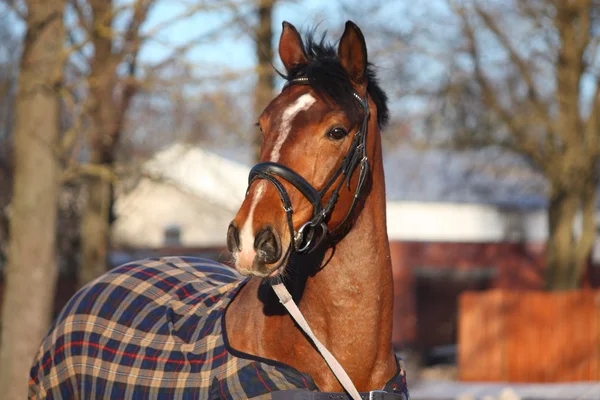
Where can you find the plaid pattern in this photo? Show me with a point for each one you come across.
(153, 329)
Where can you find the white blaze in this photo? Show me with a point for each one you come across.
(247, 253)
(246, 234)
(302, 103)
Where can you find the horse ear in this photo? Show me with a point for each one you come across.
(352, 53)
(291, 49)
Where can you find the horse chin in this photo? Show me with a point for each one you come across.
(265, 272)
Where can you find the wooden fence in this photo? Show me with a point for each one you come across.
(525, 336)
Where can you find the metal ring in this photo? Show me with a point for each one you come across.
(300, 236)
(324, 232)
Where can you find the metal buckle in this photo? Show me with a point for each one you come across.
(300, 236)
(311, 235)
(372, 392)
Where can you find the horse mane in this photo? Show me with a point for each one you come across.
(327, 76)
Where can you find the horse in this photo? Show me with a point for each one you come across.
(306, 312)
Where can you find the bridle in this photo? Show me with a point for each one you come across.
(303, 240)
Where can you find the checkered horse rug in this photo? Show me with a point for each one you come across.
(153, 329)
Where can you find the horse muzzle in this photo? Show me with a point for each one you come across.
(262, 257)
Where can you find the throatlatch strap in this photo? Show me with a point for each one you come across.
(286, 299)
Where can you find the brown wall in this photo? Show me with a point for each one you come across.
(426, 306)
(434, 300)
(529, 336)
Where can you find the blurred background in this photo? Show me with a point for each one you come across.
(127, 131)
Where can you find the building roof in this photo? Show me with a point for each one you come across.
(198, 192)
(183, 187)
(202, 173)
(474, 177)
(466, 222)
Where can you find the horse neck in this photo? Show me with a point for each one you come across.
(349, 302)
(359, 264)
(348, 305)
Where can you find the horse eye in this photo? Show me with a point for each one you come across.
(337, 133)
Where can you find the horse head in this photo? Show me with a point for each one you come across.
(318, 138)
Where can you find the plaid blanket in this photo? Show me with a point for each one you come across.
(154, 329)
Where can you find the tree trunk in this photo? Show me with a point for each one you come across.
(30, 277)
(585, 243)
(567, 254)
(101, 108)
(265, 83)
(97, 209)
(95, 229)
(572, 168)
(108, 102)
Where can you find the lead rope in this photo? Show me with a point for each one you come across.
(285, 298)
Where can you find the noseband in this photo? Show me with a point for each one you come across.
(304, 240)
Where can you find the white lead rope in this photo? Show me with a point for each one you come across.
(286, 299)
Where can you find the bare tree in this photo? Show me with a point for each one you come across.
(32, 258)
(107, 103)
(111, 95)
(523, 76)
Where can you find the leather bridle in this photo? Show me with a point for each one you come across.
(304, 240)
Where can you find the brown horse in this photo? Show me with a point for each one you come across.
(344, 287)
(313, 224)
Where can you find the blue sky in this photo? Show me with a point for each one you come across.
(235, 48)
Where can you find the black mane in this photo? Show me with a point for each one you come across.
(326, 75)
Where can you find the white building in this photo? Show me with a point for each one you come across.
(191, 189)
(199, 192)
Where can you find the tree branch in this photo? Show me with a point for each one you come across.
(540, 107)
(84, 22)
(592, 125)
(569, 70)
(583, 37)
(588, 233)
(132, 39)
(14, 6)
(179, 51)
(525, 145)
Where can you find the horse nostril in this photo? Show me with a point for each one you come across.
(267, 246)
(233, 239)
